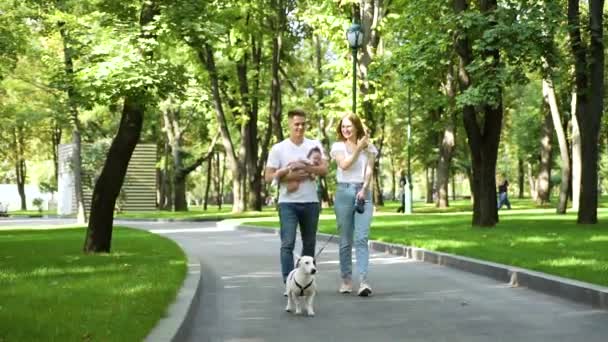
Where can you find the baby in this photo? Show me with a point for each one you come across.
(314, 158)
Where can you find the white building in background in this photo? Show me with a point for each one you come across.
(139, 188)
(9, 195)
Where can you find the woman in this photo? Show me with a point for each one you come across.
(354, 156)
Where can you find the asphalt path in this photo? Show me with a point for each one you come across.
(241, 298)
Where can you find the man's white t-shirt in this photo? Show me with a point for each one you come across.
(285, 152)
(356, 172)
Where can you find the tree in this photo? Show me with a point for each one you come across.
(589, 80)
(483, 137)
(99, 232)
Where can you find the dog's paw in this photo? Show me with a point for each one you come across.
(298, 312)
(311, 313)
(288, 309)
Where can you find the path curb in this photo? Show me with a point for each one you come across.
(177, 323)
(574, 290)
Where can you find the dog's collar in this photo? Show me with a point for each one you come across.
(302, 288)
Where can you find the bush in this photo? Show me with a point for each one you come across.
(38, 202)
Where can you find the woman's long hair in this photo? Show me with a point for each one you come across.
(356, 122)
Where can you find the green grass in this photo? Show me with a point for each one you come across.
(536, 239)
(196, 213)
(51, 291)
(461, 205)
(32, 213)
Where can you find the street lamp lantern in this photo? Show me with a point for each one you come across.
(310, 90)
(354, 35)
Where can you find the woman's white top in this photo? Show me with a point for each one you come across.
(356, 172)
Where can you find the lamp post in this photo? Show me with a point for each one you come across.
(355, 39)
(410, 187)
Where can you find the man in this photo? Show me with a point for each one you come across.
(286, 162)
(503, 197)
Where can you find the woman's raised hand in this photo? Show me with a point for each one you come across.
(362, 143)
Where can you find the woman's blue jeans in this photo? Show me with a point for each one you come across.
(352, 225)
(306, 215)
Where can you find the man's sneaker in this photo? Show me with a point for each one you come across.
(346, 287)
(364, 290)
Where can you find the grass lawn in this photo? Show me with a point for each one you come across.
(32, 213)
(536, 239)
(212, 213)
(51, 291)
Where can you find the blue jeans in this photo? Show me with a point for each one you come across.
(503, 199)
(352, 225)
(290, 215)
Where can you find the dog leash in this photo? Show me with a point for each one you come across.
(326, 243)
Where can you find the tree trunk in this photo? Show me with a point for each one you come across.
(179, 180)
(108, 185)
(551, 99)
(453, 186)
(323, 122)
(206, 55)
(543, 187)
(371, 13)
(56, 140)
(532, 183)
(249, 132)
(447, 143)
(520, 177)
(20, 166)
(278, 23)
(222, 178)
(76, 137)
(21, 175)
(482, 140)
(589, 80)
(393, 177)
(208, 182)
(179, 189)
(182, 172)
(446, 150)
(576, 157)
(430, 184)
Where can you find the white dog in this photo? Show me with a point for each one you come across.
(301, 286)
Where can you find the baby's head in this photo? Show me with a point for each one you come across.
(314, 155)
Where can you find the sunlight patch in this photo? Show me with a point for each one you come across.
(562, 262)
(135, 289)
(599, 238)
(538, 239)
(8, 275)
(438, 244)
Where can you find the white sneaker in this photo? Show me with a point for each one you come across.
(364, 290)
(346, 287)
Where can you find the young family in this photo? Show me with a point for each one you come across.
(294, 164)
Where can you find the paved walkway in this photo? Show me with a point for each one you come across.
(413, 301)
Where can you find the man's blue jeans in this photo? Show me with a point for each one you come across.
(291, 215)
(503, 199)
(353, 225)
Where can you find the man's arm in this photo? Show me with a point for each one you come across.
(320, 170)
(285, 174)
